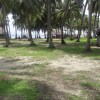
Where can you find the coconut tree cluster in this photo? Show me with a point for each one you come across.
(93, 7)
(46, 15)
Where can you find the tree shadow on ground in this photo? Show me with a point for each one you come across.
(80, 50)
(69, 48)
(88, 82)
(72, 48)
(91, 92)
(28, 90)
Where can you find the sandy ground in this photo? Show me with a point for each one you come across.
(55, 72)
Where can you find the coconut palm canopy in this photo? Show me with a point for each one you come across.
(48, 14)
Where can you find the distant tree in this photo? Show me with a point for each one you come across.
(5, 7)
(88, 45)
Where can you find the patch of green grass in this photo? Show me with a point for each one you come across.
(91, 89)
(74, 97)
(2, 74)
(22, 48)
(38, 69)
(13, 89)
(90, 85)
(82, 75)
(78, 49)
(35, 52)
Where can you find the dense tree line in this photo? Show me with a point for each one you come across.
(46, 15)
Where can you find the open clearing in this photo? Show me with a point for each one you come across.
(40, 73)
(68, 77)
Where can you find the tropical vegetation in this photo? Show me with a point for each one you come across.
(60, 15)
(57, 64)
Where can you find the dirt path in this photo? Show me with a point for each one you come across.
(62, 74)
(70, 64)
(75, 63)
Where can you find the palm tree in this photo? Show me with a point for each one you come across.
(25, 10)
(51, 45)
(88, 45)
(63, 19)
(96, 9)
(83, 16)
(67, 11)
(5, 6)
(15, 24)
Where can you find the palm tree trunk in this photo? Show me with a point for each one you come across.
(21, 32)
(44, 35)
(62, 22)
(62, 34)
(35, 34)
(51, 45)
(70, 21)
(9, 32)
(71, 30)
(15, 32)
(94, 31)
(5, 26)
(8, 28)
(15, 28)
(47, 37)
(98, 21)
(46, 6)
(30, 34)
(88, 44)
(79, 34)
